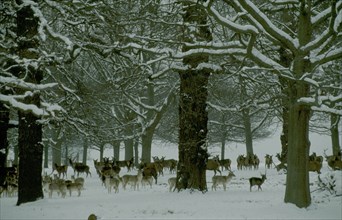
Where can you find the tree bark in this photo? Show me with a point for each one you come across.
(129, 149)
(248, 131)
(4, 123)
(146, 143)
(46, 156)
(335, 136)
(193, 115)
(57, 148)
(30, 131)
(85, 151)
(116, 150)
(297, 180)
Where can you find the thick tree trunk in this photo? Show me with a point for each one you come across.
(284, 137)
(30, 157)
(46, 156)
(146, 142)
(297, 181)
(248, 131)
(136, 152)
(193, 119)
(57, 148)
(85, 151)
(224, 136)
(129, 151)
(101, 149)
(193, 115)
(335, 136)
(4, 123)
(30, 131)
(116, 150)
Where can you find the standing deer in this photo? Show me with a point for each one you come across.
(79, 168)
(256, 181)
(222, 180)
(214, 164)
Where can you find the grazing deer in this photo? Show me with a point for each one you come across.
(112, 182)
(63, 169)
(134, 180)
(172, 183)
(222, 180)
(256, 181)
(79, 168)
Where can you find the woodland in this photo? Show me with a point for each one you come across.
(193, 72)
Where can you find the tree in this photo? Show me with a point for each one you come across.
(310, 50)
(193, 115)
(30, 130)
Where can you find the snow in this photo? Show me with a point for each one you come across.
(158, 203)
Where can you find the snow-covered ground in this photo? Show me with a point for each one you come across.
(158, 203)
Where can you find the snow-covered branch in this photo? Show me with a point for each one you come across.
(47, 110)
(268, 26)
(19, 83)
(326, 57)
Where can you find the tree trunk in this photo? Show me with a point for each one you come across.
(101, 149)
(46, 156)
(136, 152)
(57, 148)
(248, 131)
(224, 136)
(85, 151)
(128, 149)
(297, 180)
(4, 123)
(66, 155)
(30, 131)
(16, 154)
(30, 156)
(116, 150)
(193, 115)
(335, 137)
(146, 142)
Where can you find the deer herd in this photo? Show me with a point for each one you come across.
(147, 174)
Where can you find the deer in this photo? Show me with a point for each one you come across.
(147, 180)
(134, 180)
(172, 183)
(150, 170)
(74, 187)
(213, 164)
(79, 168)
(268, 161)
(79, 180)
(59, 186)
(222, 180)
(225, 163)
(314, 166)
(125, 163)
(112, 182)
(60, 169)
(256, 181)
